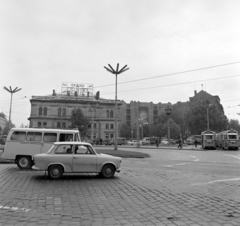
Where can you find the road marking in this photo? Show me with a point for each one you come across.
(237, 157)
(183, 163)
(15, 208)
(217, 181)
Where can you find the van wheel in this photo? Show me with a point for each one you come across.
(55, 172)
(24, 162)
(108, 171)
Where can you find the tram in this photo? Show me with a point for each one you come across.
(208, 140)
(228, 140)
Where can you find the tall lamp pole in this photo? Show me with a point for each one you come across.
(12, 91)
(208, 116)
(168, 112)
(116, 72)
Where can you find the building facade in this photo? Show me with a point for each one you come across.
(54, 111)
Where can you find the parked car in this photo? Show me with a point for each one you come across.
(134, 142)
(75, 157)
(164, 142)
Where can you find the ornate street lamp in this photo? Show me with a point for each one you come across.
(116, 72)
(168, 112)
(12, 91)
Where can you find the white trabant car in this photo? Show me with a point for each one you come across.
(75, 157)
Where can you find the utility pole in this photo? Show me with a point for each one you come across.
(116, 72)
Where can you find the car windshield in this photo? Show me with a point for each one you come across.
(50, 150)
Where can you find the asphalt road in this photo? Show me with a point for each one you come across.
(173, 187)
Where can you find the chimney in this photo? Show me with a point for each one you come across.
(54, 93)
(195, 92)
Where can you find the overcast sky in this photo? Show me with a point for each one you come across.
(46, 42)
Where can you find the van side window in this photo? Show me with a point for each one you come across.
(65, 137)
(50, 137)
(34, 136)
(64, 149)
(20, 136)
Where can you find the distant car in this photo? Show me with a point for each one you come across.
(75, 157)
(164, 142)
(134, 142)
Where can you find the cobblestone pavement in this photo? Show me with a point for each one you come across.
(151, 191)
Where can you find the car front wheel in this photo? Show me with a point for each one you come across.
(55, 172)
(24, 162)
(108, 171)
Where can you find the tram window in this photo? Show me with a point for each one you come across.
(210, 137)
(232, 137)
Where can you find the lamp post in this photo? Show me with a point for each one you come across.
(208, 116)
(168, 112)
(116, 72)
(12, 91)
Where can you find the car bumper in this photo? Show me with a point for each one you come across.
(35, 168)
(118, 170)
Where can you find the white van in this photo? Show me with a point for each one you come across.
(23, 143)
(146, 141)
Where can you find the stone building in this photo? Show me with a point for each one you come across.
(54, 111)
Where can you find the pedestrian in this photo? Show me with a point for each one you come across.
(180, 143)
(195, 143)
(157, 143)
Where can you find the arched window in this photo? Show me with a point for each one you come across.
(45, 111)
(40, 111)
(64, 112)
(108, 115)
(111, 114)
(59, 112)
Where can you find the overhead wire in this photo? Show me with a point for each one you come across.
(175, 84)
(170, 74)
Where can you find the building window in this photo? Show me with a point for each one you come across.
(45, 111)
(44, 124)
(58, 125)
(111, 114)
(111, 135)
(39, 124)
(107, 126)
(94, 136)
(108, 114)
(111, 126)
(59, 112)
(106, 136)
(64, 112)
(128, 111)
(94, 125)
(128, 117)
(40, 111)
(63, 125)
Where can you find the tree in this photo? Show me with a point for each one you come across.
(7, 128)
(234, 124)
(125, 131)
(3, 115)
(80, 121)
(196, 118)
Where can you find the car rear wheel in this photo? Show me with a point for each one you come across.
(24, 162)
(55, 172)
(108, 171)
